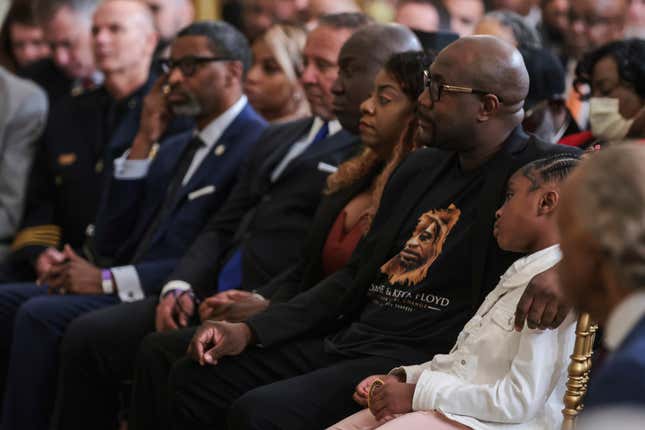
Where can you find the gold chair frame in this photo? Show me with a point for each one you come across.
(579, 370)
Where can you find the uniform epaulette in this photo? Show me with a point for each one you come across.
(41, 235)
(78, 90)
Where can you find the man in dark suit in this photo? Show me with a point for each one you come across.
(602, 266)
(266, 217)
(82, 135)
(357, 321)
(67, 29)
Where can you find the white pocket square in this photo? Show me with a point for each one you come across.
(209, 189)
(328, 168)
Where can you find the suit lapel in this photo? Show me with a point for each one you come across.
(291, 135)
(159, 185)
(331, 144)
(210, 163)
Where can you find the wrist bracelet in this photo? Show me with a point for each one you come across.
(107, 283)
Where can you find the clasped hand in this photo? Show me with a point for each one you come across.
(216, 339)
(68, 273)
(386, 400)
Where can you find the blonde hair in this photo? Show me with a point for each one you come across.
(286, 43)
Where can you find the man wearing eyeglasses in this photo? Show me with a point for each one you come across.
(296, 364)
(82, 136)
(254, 236)
(163, 192)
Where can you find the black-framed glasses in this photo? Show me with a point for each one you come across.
(188, 65)
(437, 88)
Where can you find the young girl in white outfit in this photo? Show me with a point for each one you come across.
(494, 377)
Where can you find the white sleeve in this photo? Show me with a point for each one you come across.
(127, 283)
(411, 373)
(515, 398)
(175, 285)
(130, 169)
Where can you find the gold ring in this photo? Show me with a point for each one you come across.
(376, 383)
(165, 89)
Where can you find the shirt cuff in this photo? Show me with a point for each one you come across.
(427, 392)
(130, 169)
(128, 285)
(175, 285)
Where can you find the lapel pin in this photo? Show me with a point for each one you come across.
(219, 150)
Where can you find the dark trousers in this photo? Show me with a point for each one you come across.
(97, 360)
(150, 396)
(298, 385)
(34, 323)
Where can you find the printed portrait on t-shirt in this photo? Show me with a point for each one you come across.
(410, 266)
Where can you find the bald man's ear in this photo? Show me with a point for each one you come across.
(489, 106)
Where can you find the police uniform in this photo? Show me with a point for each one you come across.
(83, 134)
(50, 78)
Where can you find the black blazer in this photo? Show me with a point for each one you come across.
(309, 269)
(71, 164)
(49, 77)
(268, 220)
(335, 302)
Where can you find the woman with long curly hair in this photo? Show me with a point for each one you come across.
(353, 192)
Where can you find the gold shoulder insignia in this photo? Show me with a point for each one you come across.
(67, 159)
(40, 235)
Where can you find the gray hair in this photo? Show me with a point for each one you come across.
(523, 32)
(610, 204)
(46, 9)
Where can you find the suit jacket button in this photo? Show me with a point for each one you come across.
(340, 317)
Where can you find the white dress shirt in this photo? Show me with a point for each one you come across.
(623, 319)
(296, 149)
(496, 377)
(126, 278)
(301, 145)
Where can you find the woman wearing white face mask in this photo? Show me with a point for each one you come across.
(615, 74)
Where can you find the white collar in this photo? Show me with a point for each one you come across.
(333, 125)
(524, 269)
(623, 319)
(214, 130)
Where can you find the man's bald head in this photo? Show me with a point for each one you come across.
(473, 123)
(360, 59)
(170, 16)
(489, 64)
(378, 42)
(124, 36)
(135, 12)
